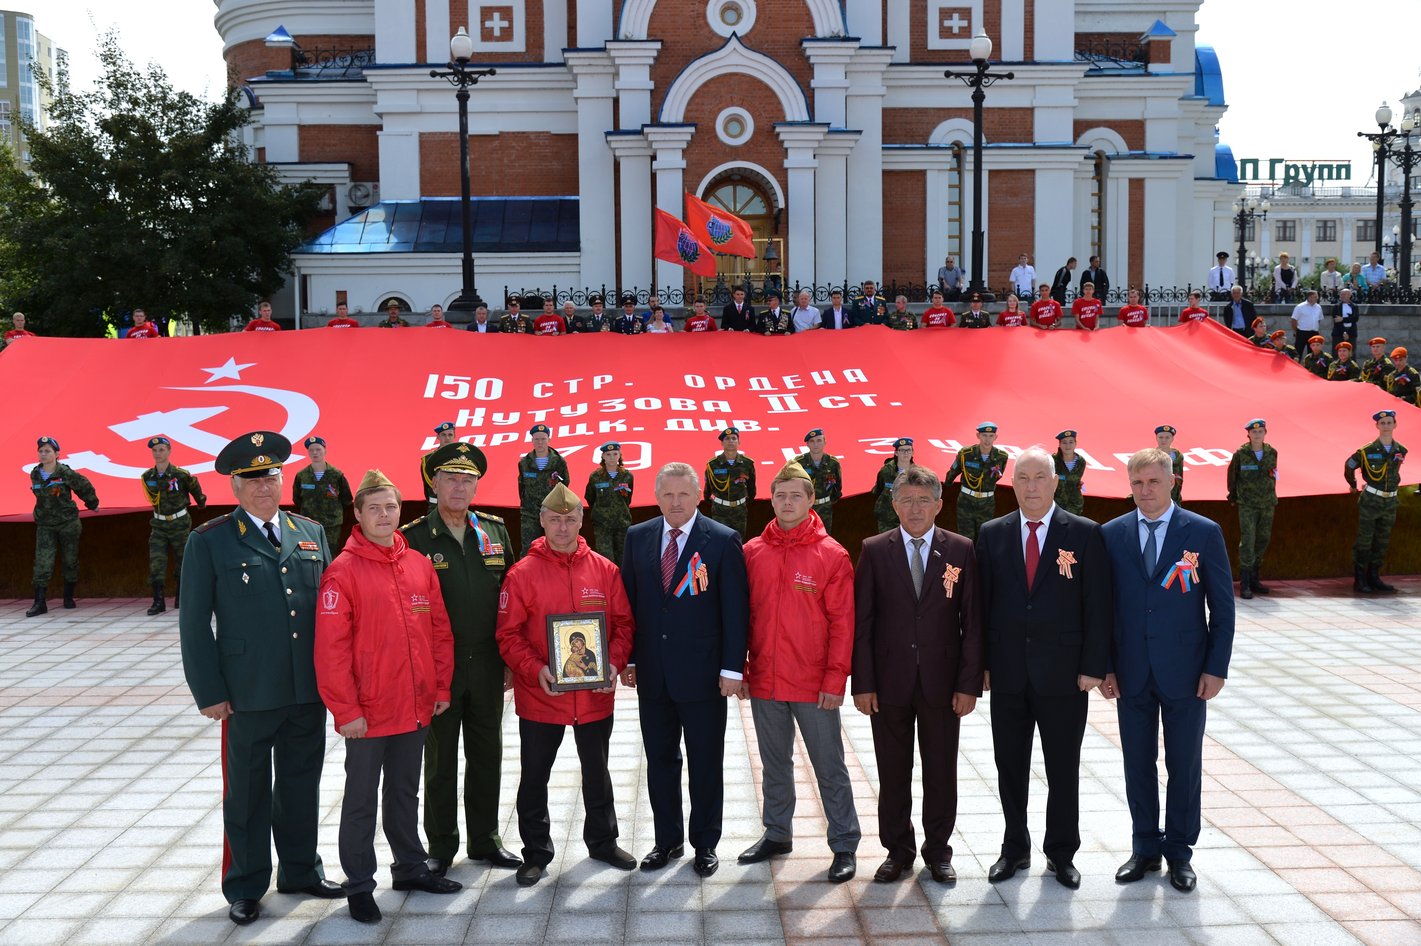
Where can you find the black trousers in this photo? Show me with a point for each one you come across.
(398, 758)
(664, 723)
(1061, 720)
(938, 729)
(539, 749)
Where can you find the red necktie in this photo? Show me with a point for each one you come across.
(668, 560)
(1033, 553)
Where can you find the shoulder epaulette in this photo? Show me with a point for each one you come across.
(178, 469)
(489, 516)
(411, 525)
(801, 458)
(212, 523)
(297, 515)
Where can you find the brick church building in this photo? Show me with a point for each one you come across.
(827, 124)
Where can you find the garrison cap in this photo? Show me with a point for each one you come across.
(728, 431)
(561, 500)
(1257, 423)
(986, 427)
(47, 442)
(539, 429)
(1166, 429)
(816, 432)
(1064, 434)
(1380, 414)
(154, 441)
(447, 425)
(254, 455)
(374, 479)
(793, 471)
(457, 458)
(313, 440)
(902, 442)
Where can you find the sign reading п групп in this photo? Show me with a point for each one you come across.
(1285, 171)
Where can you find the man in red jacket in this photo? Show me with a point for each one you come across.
(562, 576)
(384, 661)
(801, 650)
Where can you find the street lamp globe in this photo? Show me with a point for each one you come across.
(1383, 115)
(1263, 206)
(1238, 208)
(981, 48)
(461, 46)
(1252, 203)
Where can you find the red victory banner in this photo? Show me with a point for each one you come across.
(376, 398)
(675, 243)
(721, 230)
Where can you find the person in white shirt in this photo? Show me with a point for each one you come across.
(1023, 277)
(1329, 280)
(1221, 278)
(836, 316)
(1307, 320)
(805, 317)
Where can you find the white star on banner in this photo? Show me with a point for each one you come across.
(230, 370)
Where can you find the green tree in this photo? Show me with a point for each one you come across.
(137, 194)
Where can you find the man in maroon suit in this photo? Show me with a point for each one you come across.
(918, 661)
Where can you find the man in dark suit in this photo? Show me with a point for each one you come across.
(1174, 628)
(738, 315)
(1239, 313)
(1345, 315)
(837, 315)
(1047, 606)
(1061, 282)
(917, 662)
(1096, 276)
(685, 578)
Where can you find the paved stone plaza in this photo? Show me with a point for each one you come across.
(110, 825)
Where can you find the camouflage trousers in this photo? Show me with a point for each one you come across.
(886, 524)
(531, 528)
(972, 513)
(610, 539)
(1255, 529)
(1375, 517)
(737, 517)
(333, 537)
(63, 539)
(826, 516)
(1174, 494)
(166, 539)
(1071, 501)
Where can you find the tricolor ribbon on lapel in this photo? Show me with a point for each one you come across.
(1186, 570)
(485, 543)
(696, 579)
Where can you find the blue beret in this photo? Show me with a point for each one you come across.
(153, 442)
(447, 425)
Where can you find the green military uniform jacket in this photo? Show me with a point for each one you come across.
(967, 320)
(1380, 468)
(1253, 481)
(169, 492)
(534, 484)
(883, 491)
(1288, 350)
(1068, 483)
(1262, 341)
(264, 600)
(1318, 364)
(1404, 383)
(323, 500)
(1177, 463)
(771, 323)
(592, 323)
(1349, 370)
(54, 497)
(1378, 370)
(979, 474)
(518, 325)
(730, 480)
(609, 496)
(386, 323)
(827, 476)
(470, 577)
(902, 321)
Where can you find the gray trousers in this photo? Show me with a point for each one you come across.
(399, 757)
(774, 731)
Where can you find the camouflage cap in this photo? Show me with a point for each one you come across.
(457, 458)
(254, 455)
(374, 479)
(154, 441)
(561, 500)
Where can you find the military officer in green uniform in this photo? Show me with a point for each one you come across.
(975, 316)
(1380, 465)
(1378, 368)
(1317, 360)
(1253, 488)
(170, 489)
(514, 321)
(257, 571)
(980, 467)
(444, 434)
(1344, 367)
(609, 497)
(597, 321)
(1070, 468)
(539, 470)
(470, 552)
(57, 526)
(902, 458)
(321, 492)
(730, 483)
(900, 319)
(828, 478)
(1164, 439)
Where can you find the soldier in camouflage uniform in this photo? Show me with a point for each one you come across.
(445, 434)
(1164, 439)
(539, 470)
(883, 512)
(975, 316)
(1405, 381)
(1253, 488)
(1317, 360)
(980, 467)
(730, 483)
(321, 492)
(609, 497)
(1378, 368)
(168, 489)
(900, 318)
(1380, 463)
(56, 521)
(1070, 468)
(514, 321)
(824, 471)
(1345, 367)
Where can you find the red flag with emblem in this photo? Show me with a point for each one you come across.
(675, 243)
(719, 229)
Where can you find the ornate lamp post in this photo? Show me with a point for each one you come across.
(1381, 142)
(1245, 212)
(1406, 160)
(978, 79)
(1394, 248)
(460, 76)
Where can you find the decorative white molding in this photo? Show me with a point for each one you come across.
(953, 131)
(636, 18)
(1103, 139)
(734, 59)
(777, 193)
(729, 116)
(743, 17)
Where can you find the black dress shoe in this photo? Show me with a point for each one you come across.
(439, 866)
(763, 850)
(1182, 876)
(844, 867)
(363, 908)
(528, 874)
(429, 884)
(499, 857)
(706, 861)
(243, 912)
(943, 873)
(1135, 868)
(657, 858)
(890, 870)
(321, 889)
(616, 857)
(1066, 873)
(1005, 868)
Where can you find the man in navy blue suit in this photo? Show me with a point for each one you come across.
(685, 577)
(1174, 629)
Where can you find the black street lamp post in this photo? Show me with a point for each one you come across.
(978, 80)
(1407, 159)
(1245, 212)
(460, 76)
(1381, 140)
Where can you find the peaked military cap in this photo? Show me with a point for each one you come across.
(561, 500)
(254, 455)
(154, 441)
(986, 427)
(457, 458)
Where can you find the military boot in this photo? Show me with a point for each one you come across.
(69, 596)
(1374, 578)
(157, 607)
(1253, 581)
(1245, 583)
(1361, 584)
(39, 607)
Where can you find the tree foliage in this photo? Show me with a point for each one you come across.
(137, 194)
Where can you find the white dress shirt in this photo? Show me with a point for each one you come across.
(1040, 532)
(1308, 317)
(1159, 533)
(1221, 277)
(805, 319)
(262, 523)
(681, 550)
(1023, 278)
(927, 538)
(839, 318)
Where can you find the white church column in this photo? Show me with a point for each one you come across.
(634, 220)
(596, 209)
(831, 186)
(830, 83)
(800, 140)
(669, 142)
(634, 59)
(864, 112)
